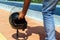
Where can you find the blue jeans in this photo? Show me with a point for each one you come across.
(48, 11)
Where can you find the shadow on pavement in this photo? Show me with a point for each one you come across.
(37, 30)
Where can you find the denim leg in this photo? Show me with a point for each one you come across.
(48, 11)
(49, 26)
(49, 5)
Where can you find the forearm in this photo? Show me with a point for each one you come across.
(26, 6)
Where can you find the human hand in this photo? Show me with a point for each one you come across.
(21, 15)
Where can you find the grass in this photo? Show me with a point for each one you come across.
(58, 3)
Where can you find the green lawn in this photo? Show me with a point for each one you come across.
(59, 3)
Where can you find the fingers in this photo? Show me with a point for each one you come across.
(21, 15)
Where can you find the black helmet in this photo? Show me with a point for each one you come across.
(17, 23)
